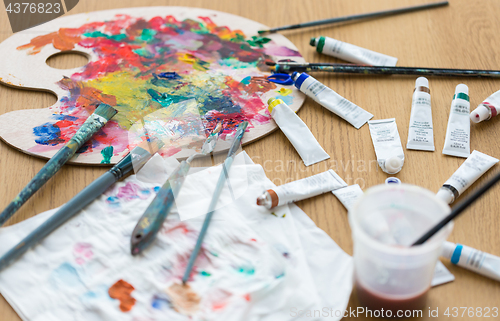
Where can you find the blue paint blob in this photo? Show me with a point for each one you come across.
(48, 134)
(286, 99)
(156, 189)
(246, 80)
(84, 148)
(65, 276)
(113, 201)
(64, 117)
(160, 302)
(169, 75)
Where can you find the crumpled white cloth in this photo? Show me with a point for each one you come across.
(254, 265)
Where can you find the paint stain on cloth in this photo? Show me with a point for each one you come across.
(122, 291)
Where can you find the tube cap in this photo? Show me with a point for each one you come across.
(392, 180)
(422, 82)
(462, 88)
(299, 78)
(480, 113)
(312, 42)
(446, 195)
(393, 164)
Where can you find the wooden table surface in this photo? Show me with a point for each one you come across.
(462, 35)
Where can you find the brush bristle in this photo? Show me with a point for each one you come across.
(105, 111)
(261, 32)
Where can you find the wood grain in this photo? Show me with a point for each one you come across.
(464, 34)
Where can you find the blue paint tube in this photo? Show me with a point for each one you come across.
(472, 259)
(332, 101)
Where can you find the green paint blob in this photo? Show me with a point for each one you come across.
(147, 35)
(163, 99)
(247, 271)
(107, 153)
(143, 53)
(258, 41)
(205, 273)
(97, 34)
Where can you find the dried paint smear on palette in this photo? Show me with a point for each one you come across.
(144, 66)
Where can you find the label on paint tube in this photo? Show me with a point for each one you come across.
(472, 259)
(332, 101)
(352, 53)
(309, 187)
(457, 141)
(420, 133)
(297, 132)
(474, 167)
(387, 144)
(348, 195)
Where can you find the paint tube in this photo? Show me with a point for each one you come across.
(385, 137)
(351, 53)
(474, 166)
(300, 190)
(348, 195)
(489, 108)
(297, 132)
(332, 101)
(420, 133)
(441, 275)
(472, 259)
(457, 141)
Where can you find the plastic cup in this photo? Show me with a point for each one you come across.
(388, 273)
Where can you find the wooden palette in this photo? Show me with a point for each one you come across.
(173, 72)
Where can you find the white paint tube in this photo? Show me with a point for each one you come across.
(457, 141)
(302, 189)
(351, 53)
(441, 275)
(385, 137)
(297, 132)
(474, 166)
(332, 101)
(472, 259)
(488, 109)
(348, 195)
(420, 133)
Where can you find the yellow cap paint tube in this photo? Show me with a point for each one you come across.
(297, 132)
(302, 189)
(457, 141)
(474, 166)
(420, 132)
(332, 101)
(351, 53)
(387, 144)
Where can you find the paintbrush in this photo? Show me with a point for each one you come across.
(356, 17)
(457, 210)
(151, 221)
(134, 161)
(92, 125)
(288, 67)
(218, 189)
